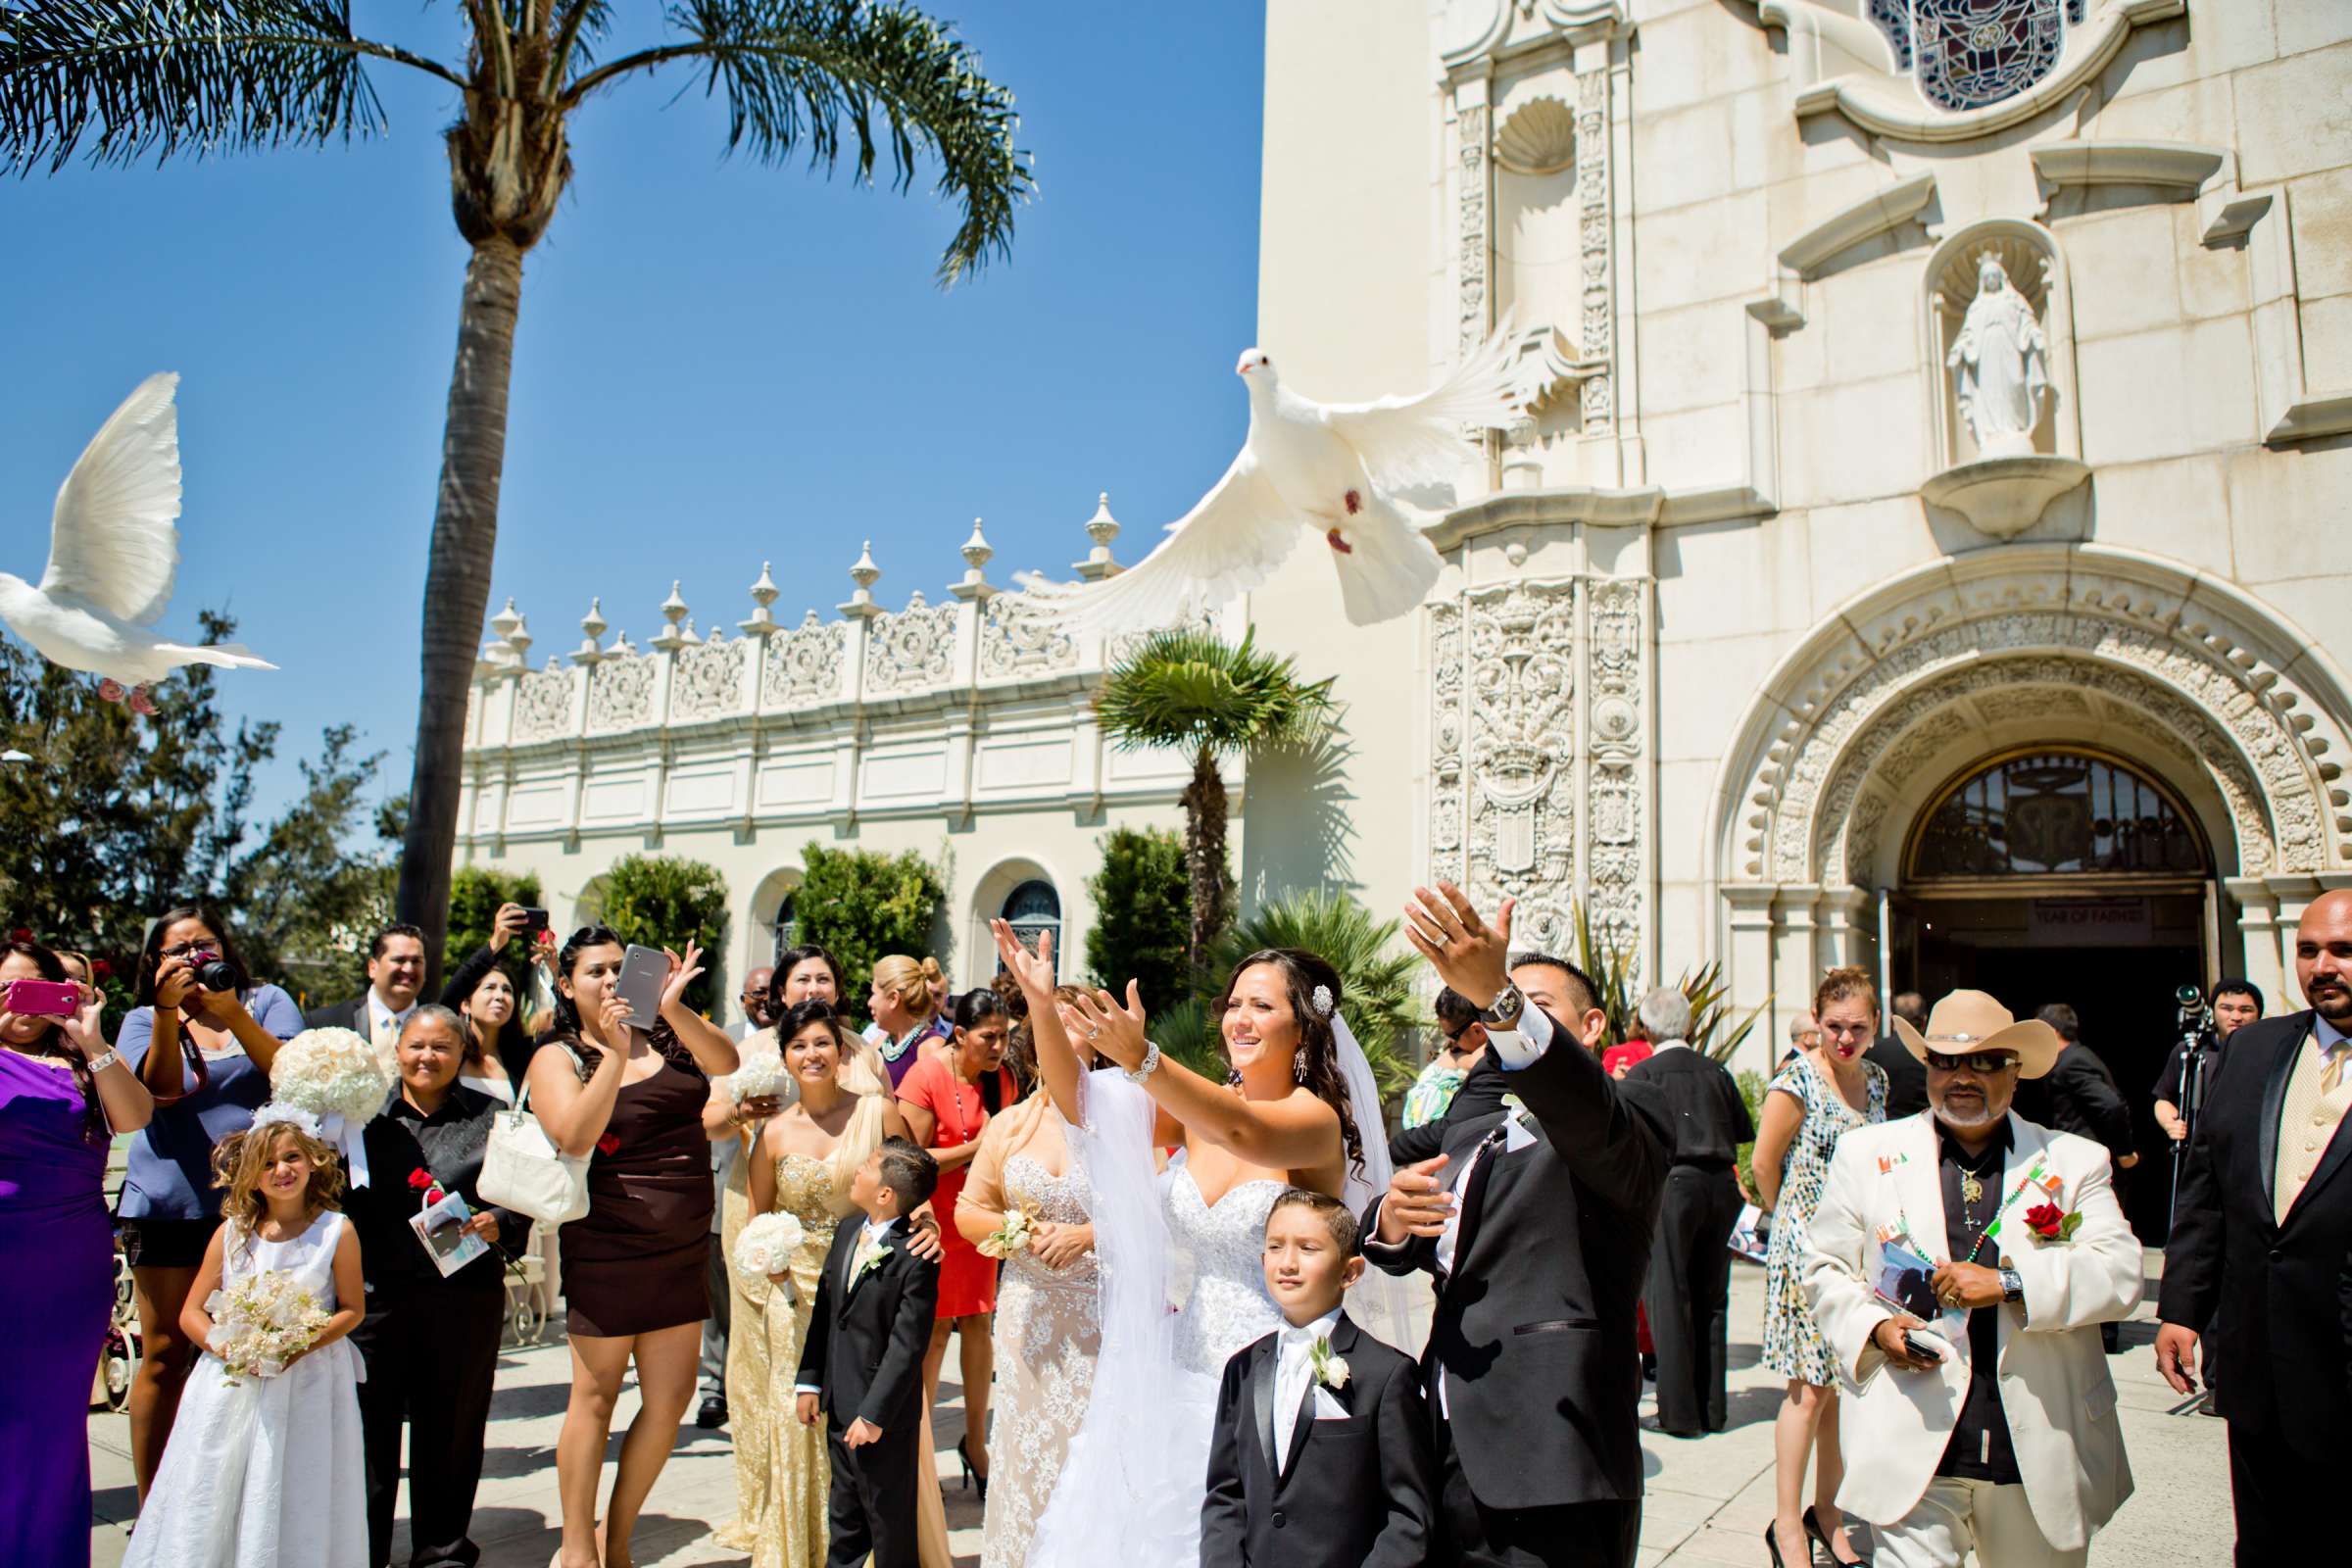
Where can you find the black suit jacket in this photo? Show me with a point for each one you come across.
(1354, 1494)
(1705, 1118)
(1906, 1076)
(865, 1343)
(2275, 1295)
(1534, 1330)
(1479, 1095)
(351, 1014)
(2078, 1095)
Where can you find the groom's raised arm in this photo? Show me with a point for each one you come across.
(1605, 1135)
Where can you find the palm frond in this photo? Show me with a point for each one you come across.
(166, 77)
(1189, 688)
(837, 75)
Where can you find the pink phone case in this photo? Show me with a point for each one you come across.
(44, 998)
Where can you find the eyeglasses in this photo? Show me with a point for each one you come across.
(183, 950)
(1985, 1062)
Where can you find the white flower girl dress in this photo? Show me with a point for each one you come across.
(264, 1471)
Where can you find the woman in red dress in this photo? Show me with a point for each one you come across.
(948, 1099)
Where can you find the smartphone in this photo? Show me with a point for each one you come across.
(1923, 1347)
(535, 921)
(44, 998)
(644, 971)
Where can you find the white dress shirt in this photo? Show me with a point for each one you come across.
(385, 1022)
(1294, 1377)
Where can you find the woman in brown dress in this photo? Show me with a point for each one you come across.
(631, 1096)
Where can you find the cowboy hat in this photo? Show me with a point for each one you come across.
(1964, 1022)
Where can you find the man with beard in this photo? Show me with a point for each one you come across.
(2261, 1244)
(1992, 1429)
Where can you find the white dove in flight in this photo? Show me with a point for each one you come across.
(1326, 467)
(112, 555)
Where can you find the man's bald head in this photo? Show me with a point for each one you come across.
(2324, 956)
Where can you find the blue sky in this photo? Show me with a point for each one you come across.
(717, 363)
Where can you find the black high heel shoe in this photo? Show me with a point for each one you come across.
(971, 1476)
(1813, 1529)
(1772, 1545)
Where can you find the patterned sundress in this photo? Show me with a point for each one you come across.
(1792, 1347)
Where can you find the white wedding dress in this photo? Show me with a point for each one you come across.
(264, 1471)
(1131, 1490)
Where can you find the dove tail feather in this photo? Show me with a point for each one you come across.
(1391, 567)
(225, 656)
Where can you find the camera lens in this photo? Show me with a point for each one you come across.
(213, 973)
(2189, 996)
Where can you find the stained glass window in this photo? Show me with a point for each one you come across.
(1893, 17)
(1969, 53)
(2052, 813)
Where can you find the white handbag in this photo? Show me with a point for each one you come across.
(524, 1170)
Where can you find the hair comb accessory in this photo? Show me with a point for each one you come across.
(1322, 1001)
(293, 1117)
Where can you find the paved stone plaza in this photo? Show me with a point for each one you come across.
(1708, 1501)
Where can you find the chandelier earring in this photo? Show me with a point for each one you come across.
(1299, 1064)
(1233, 1077)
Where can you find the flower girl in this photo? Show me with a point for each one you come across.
(264, 1463)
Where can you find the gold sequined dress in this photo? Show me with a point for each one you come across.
(781, 1472)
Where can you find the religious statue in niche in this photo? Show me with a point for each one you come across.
(2001, 365)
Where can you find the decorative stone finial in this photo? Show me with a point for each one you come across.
(865, 575)
(762, 621)
(674, 611)
(506, 621)
(1102, 528)
(978, 551)
(516, 631)
(592, 630)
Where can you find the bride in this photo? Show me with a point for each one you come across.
(1293, 1112)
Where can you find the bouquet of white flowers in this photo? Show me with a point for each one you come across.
(763, 1248)
(264, 1321)
(1010, 1238)
(329, 1073)
(758, 1075)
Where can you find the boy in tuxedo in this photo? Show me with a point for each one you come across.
(875, 1304)
(1321, 1455)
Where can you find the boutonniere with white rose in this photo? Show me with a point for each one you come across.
(1330, 1370)
(871, 1253)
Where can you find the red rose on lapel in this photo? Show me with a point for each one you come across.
(2045, 1220)
(608, 1145)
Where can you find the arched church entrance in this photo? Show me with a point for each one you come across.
(2066, 874)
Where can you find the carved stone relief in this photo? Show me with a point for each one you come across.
(620, 693)
(709, 680)
(1015, 639)
(1615, 829)
(1598, 337)
(1477, 242)
(911, 650)
(543, 704)
(803, 664)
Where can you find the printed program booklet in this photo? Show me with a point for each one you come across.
(440, 1229)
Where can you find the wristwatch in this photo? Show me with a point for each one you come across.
(2013, 1285)
(1504, 1010)
(1144, 1069)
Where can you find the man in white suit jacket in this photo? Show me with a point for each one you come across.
(2004, 1438)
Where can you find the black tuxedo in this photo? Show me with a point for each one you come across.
(1531, 1358)
(351, 1014)
(2274, 1294)
(865, 1353)
(1688, 1292)
(1479, 1095)
(1352, 1494)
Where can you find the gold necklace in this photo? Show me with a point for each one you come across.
(1972, 1191)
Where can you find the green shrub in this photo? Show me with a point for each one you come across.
(474, 893)
(861, 906)
(1142, 916)
(666, 901)
(1751, 1091)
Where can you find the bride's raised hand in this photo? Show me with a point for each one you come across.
(1033, 971)
(1116, 1032)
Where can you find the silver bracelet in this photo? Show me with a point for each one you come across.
(99, 1064)
(1145, 1069)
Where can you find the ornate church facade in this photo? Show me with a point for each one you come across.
(1924, 545)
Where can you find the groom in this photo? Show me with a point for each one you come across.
(1536, 1221)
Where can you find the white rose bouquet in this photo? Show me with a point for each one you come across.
(264, 1321)
(765, 1246)
(329, 1073)
(760, 1074)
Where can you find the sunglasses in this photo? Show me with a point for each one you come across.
(1985, 1062)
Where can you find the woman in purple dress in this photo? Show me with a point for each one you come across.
(62, 1094)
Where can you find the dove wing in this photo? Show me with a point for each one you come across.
(1407, 440)
(112, 540)
(1228, 544)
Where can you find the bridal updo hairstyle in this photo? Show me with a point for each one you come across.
(1302, 972)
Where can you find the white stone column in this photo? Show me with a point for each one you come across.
(1748, 967)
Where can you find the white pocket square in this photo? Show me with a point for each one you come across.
(1328, 1406)
(1516, 1136)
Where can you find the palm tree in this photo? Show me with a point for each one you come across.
(1190, 690)
(171, 78)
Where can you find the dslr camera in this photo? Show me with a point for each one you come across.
(212, 971)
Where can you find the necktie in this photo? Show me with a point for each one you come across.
(1296, 1348)
(2334, 1074)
